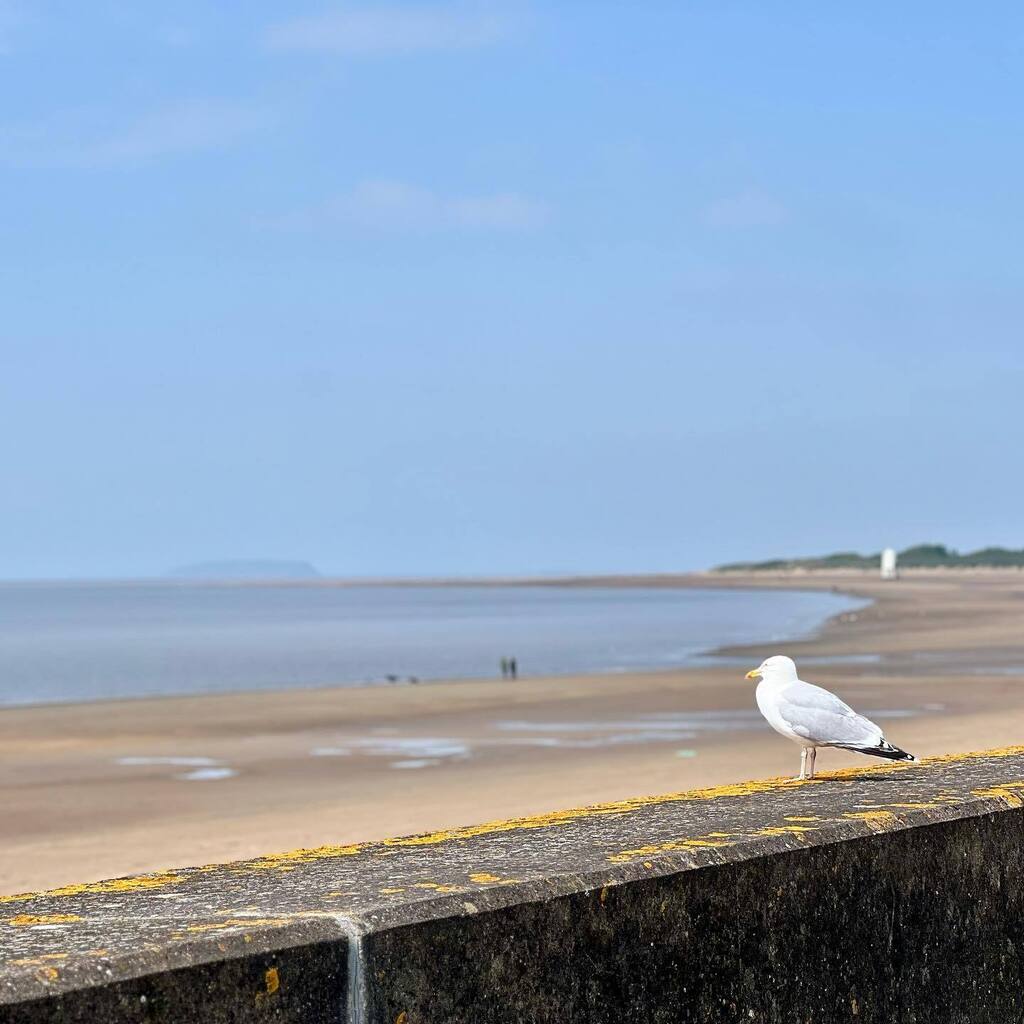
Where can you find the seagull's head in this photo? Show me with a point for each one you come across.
(778, 668)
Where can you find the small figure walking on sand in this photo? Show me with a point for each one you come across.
(504, 668)
(513, 668)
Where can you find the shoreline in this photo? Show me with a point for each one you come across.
(107, 788)
(690, 582)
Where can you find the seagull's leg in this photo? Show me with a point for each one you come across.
(810, 767)
(803, 765)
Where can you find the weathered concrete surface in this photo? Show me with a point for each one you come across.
(893, 893)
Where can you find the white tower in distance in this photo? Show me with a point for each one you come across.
(888, 567)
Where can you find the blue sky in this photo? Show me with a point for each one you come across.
(507, 287)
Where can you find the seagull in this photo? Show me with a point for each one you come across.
(813, 717)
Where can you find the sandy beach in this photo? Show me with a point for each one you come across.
(97, 790)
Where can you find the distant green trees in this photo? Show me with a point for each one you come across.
(920, 556)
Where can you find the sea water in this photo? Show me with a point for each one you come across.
(77, 641)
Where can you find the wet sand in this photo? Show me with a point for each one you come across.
(95, 790)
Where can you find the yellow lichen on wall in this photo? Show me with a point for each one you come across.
(1009, 792)
(877, 821)
(783, 830)
(486, 878)
(27, 920)
(271, 983)
(672, 845)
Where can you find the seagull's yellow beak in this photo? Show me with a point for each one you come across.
(754, 673)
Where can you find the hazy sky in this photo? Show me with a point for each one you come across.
(507, 287)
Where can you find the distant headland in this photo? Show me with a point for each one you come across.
(920, 556)
(246, 569)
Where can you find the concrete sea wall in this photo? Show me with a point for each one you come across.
(886, 894)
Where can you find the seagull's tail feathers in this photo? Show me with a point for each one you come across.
(883, 749)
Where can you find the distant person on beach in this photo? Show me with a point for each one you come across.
(504, 668)
(513, 668)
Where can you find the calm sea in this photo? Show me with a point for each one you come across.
(72, 642)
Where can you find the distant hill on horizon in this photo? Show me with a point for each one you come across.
(246, 569)
(920, 556)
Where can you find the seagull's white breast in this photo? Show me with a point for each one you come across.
(767, 695)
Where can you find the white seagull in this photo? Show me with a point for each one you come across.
(813, 717)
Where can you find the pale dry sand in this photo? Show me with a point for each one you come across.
(950, 660)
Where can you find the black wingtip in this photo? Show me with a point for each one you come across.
(886, 750)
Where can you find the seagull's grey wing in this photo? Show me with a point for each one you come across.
(822, 718)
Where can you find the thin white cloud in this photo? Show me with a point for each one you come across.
(175, 130)
(750, 209)
(392, 29)
(399, 206)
